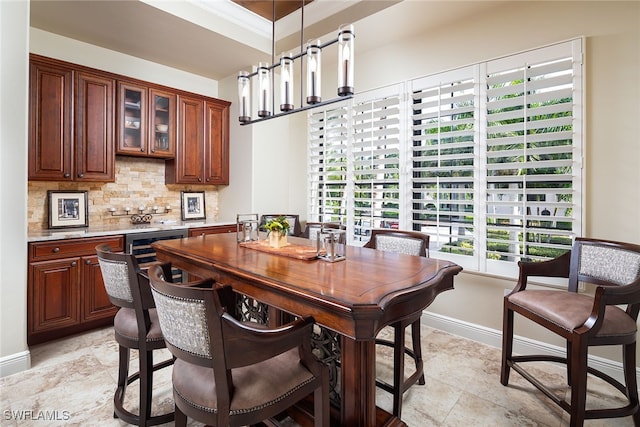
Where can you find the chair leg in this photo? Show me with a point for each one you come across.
(123, 374)
(507, 343)
(578, 382)
(629, 366)
(180, 418)
(146, 385)
(417, 349)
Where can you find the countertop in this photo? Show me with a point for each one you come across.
(97, 231)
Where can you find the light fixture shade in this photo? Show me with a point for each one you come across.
(244, 97)
(286, 82)
(264, 90)
(314, 65)
(346, 38)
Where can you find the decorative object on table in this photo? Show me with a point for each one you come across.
(192, 204)
(247, 227)
(277, 230)
(290, 250)
(264, 77)
(141, 217)
(68, 209)
(331, 244)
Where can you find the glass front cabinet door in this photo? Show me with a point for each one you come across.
(146, 121)
(162, 124)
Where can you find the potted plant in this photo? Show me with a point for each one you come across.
(277, 230)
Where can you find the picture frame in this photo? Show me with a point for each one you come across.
(193, 205)
(68, 209)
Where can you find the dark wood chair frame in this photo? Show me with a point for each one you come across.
(580, 338)
(400, 385)
(234, 344)
(142, 302)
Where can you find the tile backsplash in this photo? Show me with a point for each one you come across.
(139, 182)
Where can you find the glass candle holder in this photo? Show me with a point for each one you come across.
(286, 83)
(247, 228)
(244, 97)
(331, 245)
(314, 64)
(264, 90)
(346, 38)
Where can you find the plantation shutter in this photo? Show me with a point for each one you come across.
(375, 154)
(328, 136)
(443, 148)
(533, 153)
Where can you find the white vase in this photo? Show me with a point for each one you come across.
(277, 239)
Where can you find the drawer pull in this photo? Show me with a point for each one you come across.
(88, 262)
(55, 250)
(73, 264)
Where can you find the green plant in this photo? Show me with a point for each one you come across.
(279, 223)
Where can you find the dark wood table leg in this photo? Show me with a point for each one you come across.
(358, 379)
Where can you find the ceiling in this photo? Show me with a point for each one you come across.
(271, 9)
(218, 38)
(212, 38)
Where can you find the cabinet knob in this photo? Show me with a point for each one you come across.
(142, 149)
(55, 250)
(67, 175)
(208, 179)
(74, 263)
(87, 261)
(80, 175)
(199, 179)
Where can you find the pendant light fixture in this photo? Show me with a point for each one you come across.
(263, 77)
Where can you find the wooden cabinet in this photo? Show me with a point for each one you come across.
(65, 291)
(71, 123)
(146, 121)
(202, 146)
(213, 229)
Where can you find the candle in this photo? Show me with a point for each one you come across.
(155, 208)
(141, 208)
(346, 72)
(112, 209)
(313, 83)
(286, 92)
(127, 209)
(244, 106)
(264, 100)
(168, 207)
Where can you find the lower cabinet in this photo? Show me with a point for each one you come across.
(65, 291)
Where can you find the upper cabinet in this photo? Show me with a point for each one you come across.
(146, 121)
(71, 123)
(81, 118)
(202, 146)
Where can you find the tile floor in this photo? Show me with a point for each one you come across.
(73, 380)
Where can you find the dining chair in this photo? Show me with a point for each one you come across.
(230, 373)
(293, 219)
(136, 327)
(408, 243)
(606, 317)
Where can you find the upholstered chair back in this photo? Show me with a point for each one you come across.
(399, 241)
(115, 274)
(604, 264)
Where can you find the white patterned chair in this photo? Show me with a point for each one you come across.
(229, 373)
(408, 243)
(136, 327)
(608, 317)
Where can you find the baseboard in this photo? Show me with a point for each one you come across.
(15, 363)
(521, 345)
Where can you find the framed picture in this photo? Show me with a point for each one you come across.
(68, 209)
(192, 203)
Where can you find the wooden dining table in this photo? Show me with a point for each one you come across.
(355, 298)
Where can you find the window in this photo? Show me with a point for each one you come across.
(486, 159)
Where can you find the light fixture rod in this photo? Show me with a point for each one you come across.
(303, 108)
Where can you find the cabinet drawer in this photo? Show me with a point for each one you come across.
(72, 247)
(215, 229)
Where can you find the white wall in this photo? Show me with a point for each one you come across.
(14, 32)
(612, 151)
